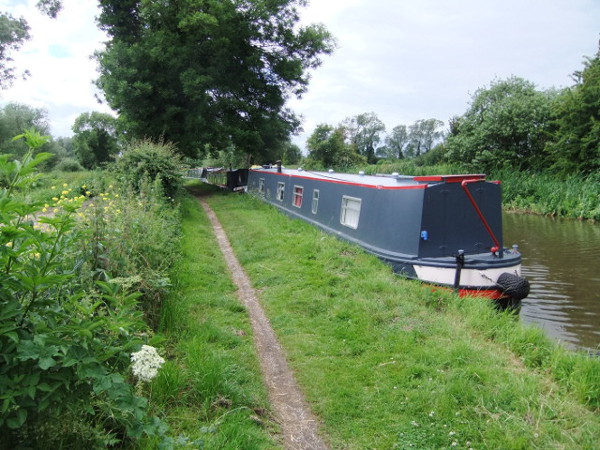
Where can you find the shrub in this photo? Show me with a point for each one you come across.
(148, 160)
(64, 342)
(69, 165)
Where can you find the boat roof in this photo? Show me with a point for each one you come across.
(378, 181)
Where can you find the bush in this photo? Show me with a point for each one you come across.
(65, 340)
(69, 165)
(145, 160)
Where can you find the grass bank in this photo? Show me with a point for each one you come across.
(575, 197)
(210, 389)
(388, 363)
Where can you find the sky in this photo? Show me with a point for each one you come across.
(403, 60)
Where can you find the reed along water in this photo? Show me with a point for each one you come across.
(561, 259)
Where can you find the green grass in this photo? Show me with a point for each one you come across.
(387, 363)
(574, 197)
(210, 388)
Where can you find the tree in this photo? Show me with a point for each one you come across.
(14, 119)
(397, 141)
(13, 34)
(95, 141)
(364, 132)
(506, 125)
(291, 154)
(422, 135)
(328, 146)
(575, 145)
(216, 72)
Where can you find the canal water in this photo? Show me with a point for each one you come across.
(561, 259)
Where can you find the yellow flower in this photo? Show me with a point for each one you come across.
(65, 184)
(64, 192)
(110, 187)
(46, 205)
(53, 187)
(9, 244)
(87, 192)
(44, 209)
(118, 211)
(37, 255)
(54, 199)
(83, 187)
(116, 195)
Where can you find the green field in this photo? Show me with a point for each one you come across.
(386, 362)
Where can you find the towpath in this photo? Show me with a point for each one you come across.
(299, 425)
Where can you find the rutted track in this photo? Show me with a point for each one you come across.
(299, 425)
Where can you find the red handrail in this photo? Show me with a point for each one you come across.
(463, 184)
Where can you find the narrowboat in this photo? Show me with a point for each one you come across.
(232, 180)
(445, 230)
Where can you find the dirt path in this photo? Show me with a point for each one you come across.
(300, 426)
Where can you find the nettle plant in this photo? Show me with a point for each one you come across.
(65, 340)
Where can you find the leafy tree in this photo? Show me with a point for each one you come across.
(505, 126)
(422, 135)
(364, 132)
(95, 140)
(575, 146)
(16, 117)
(396, 142)
(291, 154)
(328, 146)
(13, 34)
(198, 72)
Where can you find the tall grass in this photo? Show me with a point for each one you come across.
(388, 363)
(575, 196)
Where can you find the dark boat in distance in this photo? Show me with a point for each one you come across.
(445, 230)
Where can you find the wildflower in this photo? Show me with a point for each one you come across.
(88, 193)
(64, 192)
(431, 414)
(452, 433)
(46, 205)
(54, 199)
(116, 195)
(414, 424)
(65, 184)
(9, 244)
(37, 255)
(44, 209)
(83, 187)
(146, 363)
(454, 443)
(53, 187)
(110, 186)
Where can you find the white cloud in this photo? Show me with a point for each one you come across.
(58, 58)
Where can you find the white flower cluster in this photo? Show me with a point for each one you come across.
(146, 363)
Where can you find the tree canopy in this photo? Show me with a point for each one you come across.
(208, 72)
(95, 139)
(506, 125)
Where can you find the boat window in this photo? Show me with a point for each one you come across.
(261, 186)
(315, 202)
(298, 193)
(350, 211)
(280, 191)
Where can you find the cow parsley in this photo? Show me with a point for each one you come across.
(146, 363)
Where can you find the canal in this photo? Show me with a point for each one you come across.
(561, 259)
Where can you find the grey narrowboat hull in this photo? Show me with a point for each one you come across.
(446, 231)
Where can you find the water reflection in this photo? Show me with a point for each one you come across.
(561, 260)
